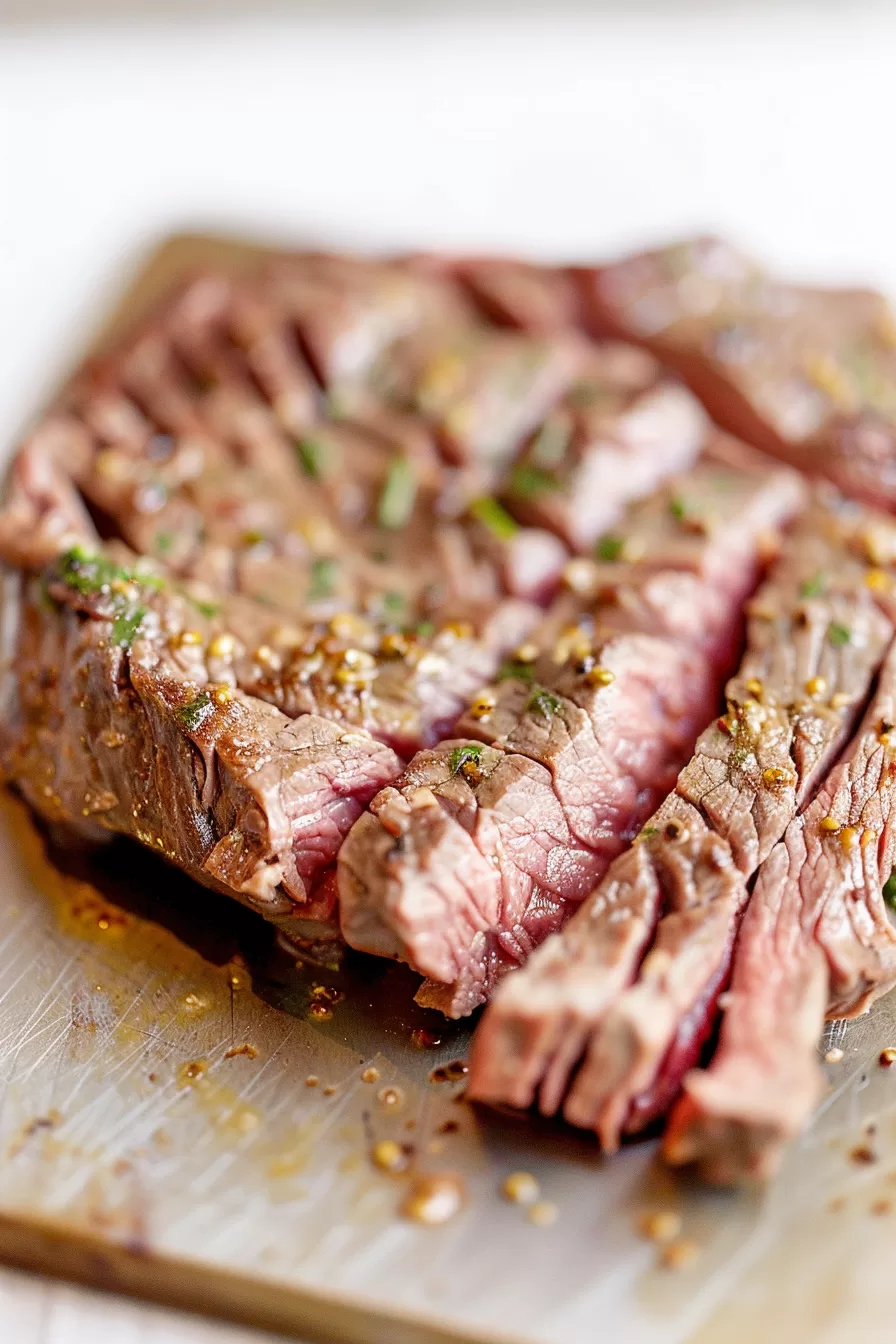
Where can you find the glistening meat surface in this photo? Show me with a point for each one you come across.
(591, 733)
(816, 940)
(587, 1024)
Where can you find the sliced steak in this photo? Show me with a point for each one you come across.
(591, 733)
(521, 294)
(483, 391)
(113, 725)
(614, 1053)
(619, 431)
(807, 374)
(815, 940)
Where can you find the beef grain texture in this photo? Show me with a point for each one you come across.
(609, 1015)
(583, 741)
(816, 941)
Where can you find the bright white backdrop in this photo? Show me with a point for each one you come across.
(555, 134)
(561, 135)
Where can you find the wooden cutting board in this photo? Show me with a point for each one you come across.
(187, 1115)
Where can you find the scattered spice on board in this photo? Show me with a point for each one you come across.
(663, 1225)
(521, 1187)
(543, 1213)
(680, 1254)
(434, 1198)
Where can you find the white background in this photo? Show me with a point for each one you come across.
(557, 134)
(562, 135)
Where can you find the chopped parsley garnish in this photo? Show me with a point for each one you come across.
(393, 605)
(324, 575)
(814, 586)
(889, 892)
(495, 517)
(208, 609)
(89, 574)
(529, 482)
(313, 457)
(609, 547)
(461, 756)
(399, 492)
(678, 508)
(839, 634)
(424, 629)
(647, 832)
(194, 714)
(546, 703)
(125, 626)
(514, 670)
(164, 542)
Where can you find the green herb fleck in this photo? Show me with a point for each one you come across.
(465, 755)
(542, 700)
(194, 714)
(495, 517)
(393, 605)
(528, 482)
(647, 832)
(678, 508)
(126, 625)
(313, 457)
(514, 670)
(889, 892)
(164, 542)
(609, 547)
(324, 575)
(839, 634)
(424, 629)
(399, 492)
(89, 573)
(208, 609)
(814, 586)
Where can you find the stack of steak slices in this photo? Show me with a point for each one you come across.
(806, 374)
(389, 563)
(489, 841)
(609, 1015)
(307, 567)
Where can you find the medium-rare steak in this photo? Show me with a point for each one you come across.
(618, 431)
(584, 1025)
(107, 728)
(590, 733)
(815, 941)
(806, 374)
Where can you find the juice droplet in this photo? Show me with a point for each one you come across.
(449, 1073)
(321, 1012)
(370, 1075)
(422, 1039)
(391, 1097)
(192, 1073)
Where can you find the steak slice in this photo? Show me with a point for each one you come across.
(806, 374)
(512, 293)
(583, 1026)
(109, 729)
(591, 732)
(815, 941)
(618, 433)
